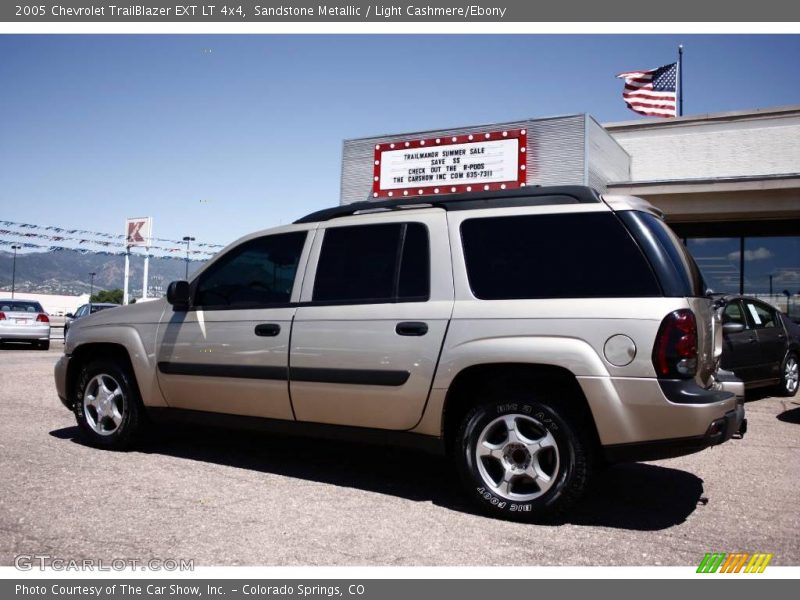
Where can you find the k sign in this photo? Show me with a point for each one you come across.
(138, 231)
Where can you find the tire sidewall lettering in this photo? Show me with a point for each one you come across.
(548, 419)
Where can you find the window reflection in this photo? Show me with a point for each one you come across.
(770, 265)
(718, 259)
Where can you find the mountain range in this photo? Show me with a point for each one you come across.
(67, 272)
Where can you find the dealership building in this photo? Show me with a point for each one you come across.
(728, 183)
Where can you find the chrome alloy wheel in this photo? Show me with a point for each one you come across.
(104, 404)
(517, 457)
(791, 375)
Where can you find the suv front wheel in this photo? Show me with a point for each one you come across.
(107, 405)
(522, 459)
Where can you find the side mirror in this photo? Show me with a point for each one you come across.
(69, 316)
(729, 328)
(178, 294)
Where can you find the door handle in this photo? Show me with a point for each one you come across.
(411, 328)
(268, 329)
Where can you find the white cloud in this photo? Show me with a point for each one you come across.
(757, 254)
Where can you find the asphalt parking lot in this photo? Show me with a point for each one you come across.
(224, 498)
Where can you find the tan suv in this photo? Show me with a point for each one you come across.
(531, 334)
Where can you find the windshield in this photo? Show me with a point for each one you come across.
(96, 308)
(20, 306)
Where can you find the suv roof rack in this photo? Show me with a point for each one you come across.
(526, 196)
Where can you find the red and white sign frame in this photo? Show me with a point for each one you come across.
(521, 135)
(138, 231)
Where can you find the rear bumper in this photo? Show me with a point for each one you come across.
(720, 429)
(25, 332)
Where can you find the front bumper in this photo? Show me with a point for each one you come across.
(60, 375)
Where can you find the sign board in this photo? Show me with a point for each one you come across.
(485, 161)
(138, 231)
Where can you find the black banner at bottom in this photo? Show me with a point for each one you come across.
(731, 587)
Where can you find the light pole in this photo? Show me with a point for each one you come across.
(91, 285)
(14, 247)
(188, 239)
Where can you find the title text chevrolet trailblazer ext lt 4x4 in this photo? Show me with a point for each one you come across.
(531, 333)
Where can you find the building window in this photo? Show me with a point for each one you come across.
(767, 268)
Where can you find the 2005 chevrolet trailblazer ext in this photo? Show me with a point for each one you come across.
(532, 334)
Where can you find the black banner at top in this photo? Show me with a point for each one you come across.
(406, 11)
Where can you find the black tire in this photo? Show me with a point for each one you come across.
(43, 345)
(113, 374)
(569, 471)
(789, 374)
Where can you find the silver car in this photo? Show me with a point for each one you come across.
(24, 321)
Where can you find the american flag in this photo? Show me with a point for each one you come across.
(652, 92)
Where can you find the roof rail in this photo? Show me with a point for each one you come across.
(526, 196)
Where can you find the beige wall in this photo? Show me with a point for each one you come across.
(740, 144)
(53, 304)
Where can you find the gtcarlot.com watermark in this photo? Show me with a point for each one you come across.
(30, 562)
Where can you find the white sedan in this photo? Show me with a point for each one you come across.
(24, 321)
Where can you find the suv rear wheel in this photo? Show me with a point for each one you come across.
(107, 405)
(522, 459)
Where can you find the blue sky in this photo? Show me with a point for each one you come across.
(216, 136)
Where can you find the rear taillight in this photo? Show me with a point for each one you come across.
(2, 316)
(42, 318)
(675, 351)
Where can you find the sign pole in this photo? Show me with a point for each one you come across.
(680, 80)
(138, 232)
(147, 258)
(146, 269)
(127, 274)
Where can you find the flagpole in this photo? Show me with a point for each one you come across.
(680, 80)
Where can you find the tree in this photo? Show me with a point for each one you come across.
(114, 296)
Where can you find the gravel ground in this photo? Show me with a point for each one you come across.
(224, 498)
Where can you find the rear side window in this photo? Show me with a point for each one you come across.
(257, 273)
(676, 270)
(388, 262)
(681, 259)
(583, 255)
(761, 316)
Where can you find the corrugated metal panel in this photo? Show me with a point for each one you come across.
(555, 153)
(608, 161)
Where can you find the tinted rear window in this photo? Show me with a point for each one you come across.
(388, 262)
(683, 264)
(20, 306)
(582, 255)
